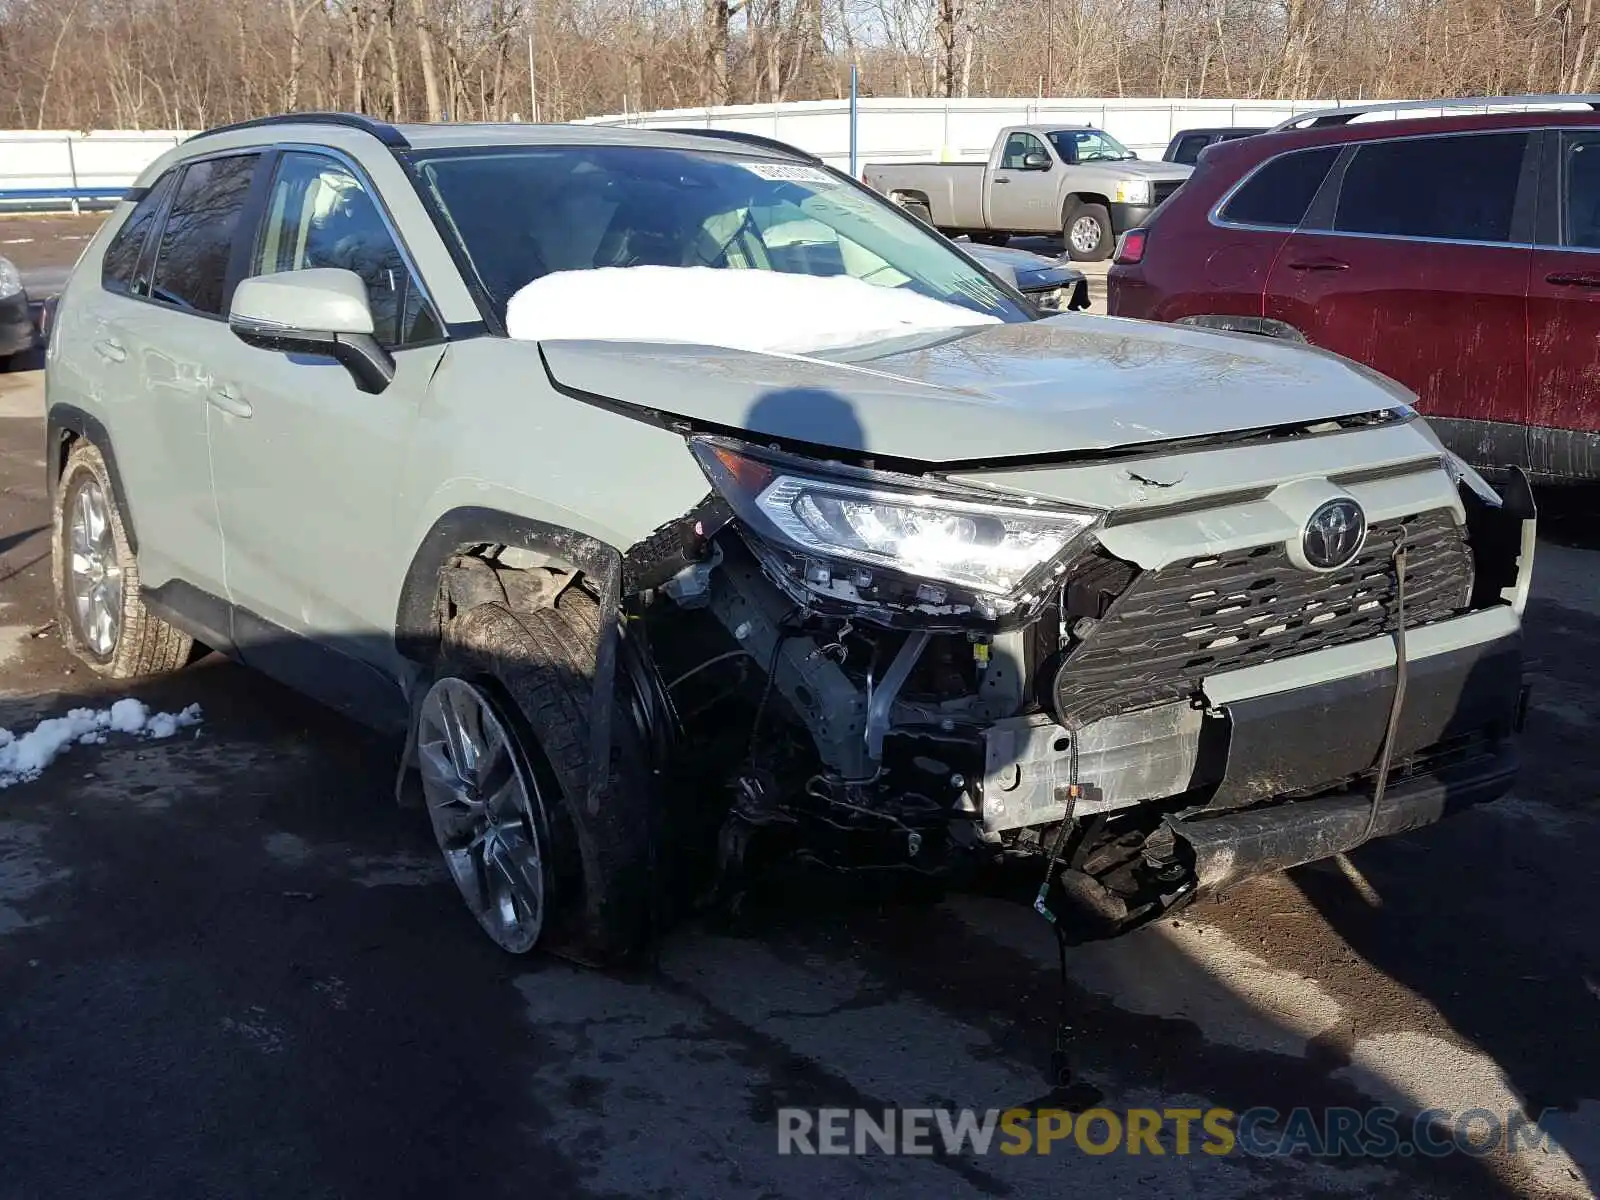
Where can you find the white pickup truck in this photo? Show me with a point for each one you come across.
(1075, 181)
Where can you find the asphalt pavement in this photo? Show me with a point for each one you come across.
(230, 966)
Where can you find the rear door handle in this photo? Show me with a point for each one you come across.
(1319, 264)
(1584, 279)
(229, 401)
(111, 350)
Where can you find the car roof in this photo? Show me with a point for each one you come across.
(335, 128)
(1240, 153)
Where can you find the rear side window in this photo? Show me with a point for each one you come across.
(1279, 193)
(197, 240)
(119, 269)
(1459, 188)
(1580, 220)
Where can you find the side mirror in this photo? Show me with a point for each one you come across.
(319, 311)
(1036, 162)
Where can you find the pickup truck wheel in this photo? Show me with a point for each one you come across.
(502, 742)
(919, 210)
(1086, 230)
(102, 619)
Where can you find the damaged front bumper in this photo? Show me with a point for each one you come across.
(1266, 732)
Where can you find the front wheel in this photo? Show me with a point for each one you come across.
(1086, 230)
(502, 739)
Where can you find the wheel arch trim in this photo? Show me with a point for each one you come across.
(67, 421)
(416, 623)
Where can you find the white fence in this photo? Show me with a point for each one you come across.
(888, 130)
(897, 130)
(68, 164)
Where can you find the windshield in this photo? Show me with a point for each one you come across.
(523, 212)
(1088, 145)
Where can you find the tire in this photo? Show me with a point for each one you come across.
(1086, 232)
(537, 671)
(920, 211)
(991, 239)
(116, 635)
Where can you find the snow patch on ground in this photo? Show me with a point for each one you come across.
(770, 312)
(24, 756)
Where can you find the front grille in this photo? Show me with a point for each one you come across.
(1162, 189)
(1173, 627)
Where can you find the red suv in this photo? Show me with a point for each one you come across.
(1459, 255)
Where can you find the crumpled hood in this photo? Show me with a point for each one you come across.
(1072, 383)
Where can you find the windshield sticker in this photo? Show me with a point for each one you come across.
(789, 173)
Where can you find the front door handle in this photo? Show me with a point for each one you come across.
(1319, 264)
(111, 350)
(1002, 179)
(1583, 279)
(229, 401)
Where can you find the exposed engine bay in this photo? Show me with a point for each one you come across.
(1059, 724)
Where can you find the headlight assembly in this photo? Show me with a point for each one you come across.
(1133, 191)
(875, 520)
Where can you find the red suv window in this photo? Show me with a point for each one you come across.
(1278, 195)
(1460, 188)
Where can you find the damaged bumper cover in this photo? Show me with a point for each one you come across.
(1275, 729)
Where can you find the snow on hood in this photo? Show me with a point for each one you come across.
(769, 312)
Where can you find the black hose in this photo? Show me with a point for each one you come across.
(1386, 757)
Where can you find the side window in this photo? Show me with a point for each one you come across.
(1018, 147)
(1580, 204)
(1462, 188)
(1279, 193)
(119, 269)
(319, 215)
(196, 242)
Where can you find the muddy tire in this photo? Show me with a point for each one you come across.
(537, 670)
(1086, 232)
(102, 619)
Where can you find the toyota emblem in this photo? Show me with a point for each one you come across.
(1334, 534)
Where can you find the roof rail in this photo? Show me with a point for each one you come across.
(749, 139)
(382, 130)
(1343, 116)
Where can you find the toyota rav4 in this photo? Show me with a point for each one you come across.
(673, 495)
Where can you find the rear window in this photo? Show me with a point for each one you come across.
(1459, 188)
(1188, 148)
(119, 267)
(1279, 193)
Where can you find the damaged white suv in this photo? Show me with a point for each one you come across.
(673, 494)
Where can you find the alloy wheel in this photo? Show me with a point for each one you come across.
(1085, 235)
(486, 811)
(94, 574)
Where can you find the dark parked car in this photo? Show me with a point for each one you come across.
(1459, 255)
(1053, 284)
(16, 322)
(1186, 145)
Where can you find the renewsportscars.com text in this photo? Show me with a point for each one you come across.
(1259, 1132)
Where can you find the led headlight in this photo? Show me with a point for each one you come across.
(888, 521)
(10, 279)
(1133, 191)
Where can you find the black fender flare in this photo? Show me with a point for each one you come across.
(68, 420)
(416, 624)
